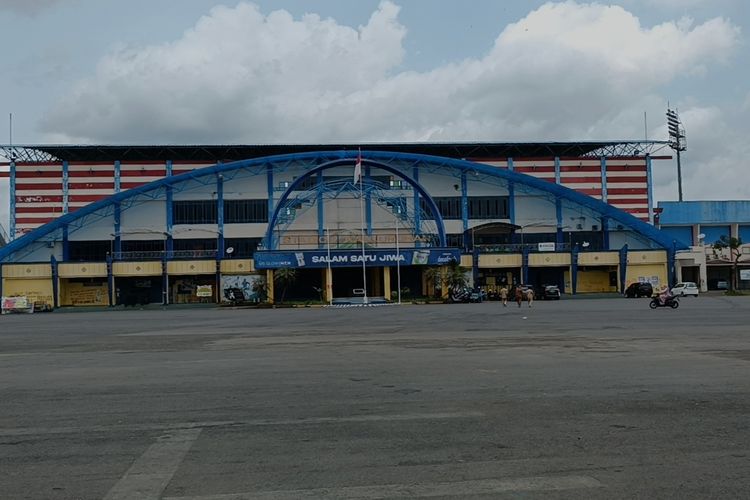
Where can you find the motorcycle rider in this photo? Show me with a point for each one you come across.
(664, 294)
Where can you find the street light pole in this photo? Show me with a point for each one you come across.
(398, 257)
(677, 143)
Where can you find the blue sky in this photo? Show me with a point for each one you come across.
(159, 71)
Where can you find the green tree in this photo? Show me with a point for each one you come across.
(733, 245)
(450, 277)
(284, 276)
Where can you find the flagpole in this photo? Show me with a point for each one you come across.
(329, 281)
(398, 257)
(362, 224)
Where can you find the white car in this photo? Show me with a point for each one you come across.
(686, 288)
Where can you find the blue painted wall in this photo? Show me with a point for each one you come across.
(714, 233)
(682, 234)
(704, 212)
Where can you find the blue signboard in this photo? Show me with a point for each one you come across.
(354, 258)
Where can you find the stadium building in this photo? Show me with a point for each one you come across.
(700, 225)
(99, 225)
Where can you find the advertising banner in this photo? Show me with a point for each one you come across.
(354, 258)
(15, 304)
(248, 283)
(745, 274)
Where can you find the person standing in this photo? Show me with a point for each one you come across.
(504, 295)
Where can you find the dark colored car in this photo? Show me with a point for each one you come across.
(548, 292)
(636, 290)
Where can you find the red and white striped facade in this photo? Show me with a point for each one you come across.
(40, 187)
(44, 192)
(620, 182)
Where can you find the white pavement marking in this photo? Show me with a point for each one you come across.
(452, 489)
(152, 471)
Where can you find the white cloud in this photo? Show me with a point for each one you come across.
(714, 166)
(567, 71)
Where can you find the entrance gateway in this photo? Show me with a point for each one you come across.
(340, 271)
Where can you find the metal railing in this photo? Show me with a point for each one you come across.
(519, 248)
(165, 255)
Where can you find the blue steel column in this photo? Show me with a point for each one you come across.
(321, 212)
(170, 211)
(623, 267)
(55, 284)
(525, 264)
(417, 208)
(465, 209)
(65, 187)
(574, 269)
(12, 186)
(110, 282)
(269, 187)
(511, 199)
(118, 212)
(65, 244)
(220, 216)
(605, 232)
(560, 239)
(164, 281)
(118, 177)
(671, 252)
(474, 266)
(368, 202)
(118, 238)
(649, 181)
(604, 178)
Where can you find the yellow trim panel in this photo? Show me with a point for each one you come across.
(27, 271)
(136, 268)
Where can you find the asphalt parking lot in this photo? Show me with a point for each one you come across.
(571, 399)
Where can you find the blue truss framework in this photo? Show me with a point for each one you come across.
(404, 162)
(282, 207)
(415, 221)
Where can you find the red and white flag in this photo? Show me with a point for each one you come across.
(358, 168)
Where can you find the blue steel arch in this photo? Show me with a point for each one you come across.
(271, 244)
(379, 193)
(650, 232)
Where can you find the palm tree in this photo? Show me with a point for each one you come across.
(733, 245)
(285, 276)
(450, 277)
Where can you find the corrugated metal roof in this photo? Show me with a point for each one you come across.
(214, 153)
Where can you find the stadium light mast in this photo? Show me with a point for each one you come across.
(677, 142)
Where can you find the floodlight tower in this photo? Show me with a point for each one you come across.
(677, 142)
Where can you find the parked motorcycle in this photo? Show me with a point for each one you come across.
(670, 301)
(460, 294)
(467, 294)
